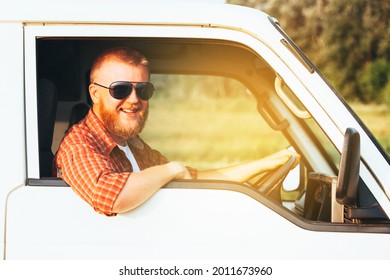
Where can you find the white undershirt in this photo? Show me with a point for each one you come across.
(131, 157)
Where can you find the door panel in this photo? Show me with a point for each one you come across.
(174, 223)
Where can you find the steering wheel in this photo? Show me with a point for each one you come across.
(271, 180)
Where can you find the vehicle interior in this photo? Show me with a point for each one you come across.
(323, 176)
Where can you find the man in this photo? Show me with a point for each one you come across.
(103, 158)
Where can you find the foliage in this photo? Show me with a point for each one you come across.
(186, 86)
(374, 80)
(347, 39)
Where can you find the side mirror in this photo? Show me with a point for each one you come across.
(348, 179)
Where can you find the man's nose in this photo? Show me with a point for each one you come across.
(133, 97)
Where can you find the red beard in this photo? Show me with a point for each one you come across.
(113, 124)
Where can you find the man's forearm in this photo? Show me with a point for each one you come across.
(142, 185)
(245, 171)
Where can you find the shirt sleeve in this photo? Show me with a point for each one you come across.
(92, 175)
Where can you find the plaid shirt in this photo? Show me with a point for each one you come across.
(90, 161)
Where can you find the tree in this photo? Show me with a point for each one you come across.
(347, 39)
(358, 48)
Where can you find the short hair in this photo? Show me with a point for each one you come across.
(119, 54)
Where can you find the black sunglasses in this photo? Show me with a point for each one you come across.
(121, 90)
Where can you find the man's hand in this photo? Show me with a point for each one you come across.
(244, 171)
(279, 158)
(179, 169)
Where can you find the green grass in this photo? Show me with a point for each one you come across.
(206, 133)
(377, 119)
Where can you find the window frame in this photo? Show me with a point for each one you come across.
(34, 32)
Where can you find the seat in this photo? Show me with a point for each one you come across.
(78, 112)
(47, 96)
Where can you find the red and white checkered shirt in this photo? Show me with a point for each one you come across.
(90, 161)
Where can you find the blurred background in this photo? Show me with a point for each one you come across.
(348, 40)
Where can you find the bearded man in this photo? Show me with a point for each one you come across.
(103, 158)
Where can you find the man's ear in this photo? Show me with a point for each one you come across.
(94, 93)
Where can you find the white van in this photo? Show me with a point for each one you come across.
(336, 207)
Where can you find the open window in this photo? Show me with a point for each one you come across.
(213, 104)
(212, 89)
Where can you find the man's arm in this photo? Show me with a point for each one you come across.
(245, 171)
(142, 185)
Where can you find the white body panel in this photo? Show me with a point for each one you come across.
(12, 140)
(174, 224)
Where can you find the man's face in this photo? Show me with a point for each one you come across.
(122, 118)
